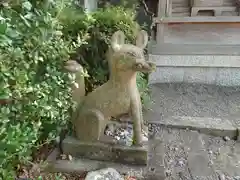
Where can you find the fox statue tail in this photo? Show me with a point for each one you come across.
(78, 87)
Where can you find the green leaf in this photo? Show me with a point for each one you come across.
(12, 33)
(27, 5)
(4, 40)
(25, 21)
(3, 28)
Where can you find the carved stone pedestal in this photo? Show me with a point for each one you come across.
(104, 152)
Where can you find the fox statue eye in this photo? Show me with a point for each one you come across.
(131, 54)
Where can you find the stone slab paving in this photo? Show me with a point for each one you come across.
(195, 100)
(225, 155)
(184, 154)
(212, 126)
(174, 154)
(210, 109)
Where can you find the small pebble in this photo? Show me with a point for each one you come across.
(168, 172)
(222, 177)
(226, 138)
(175, 149)
(181, 163)
(117, 138)
(123, 133)
(145, 139)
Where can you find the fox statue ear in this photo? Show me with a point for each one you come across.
(118, 39)
(142, 39)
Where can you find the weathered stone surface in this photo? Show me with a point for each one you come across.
(228, 77)
(199, 164)
(213, 126)
(217, 105)
(200, 75)
(224, 155)
(105, 152)
(195, 61)
(166, 75)
(78, 165)
(185, 154)
(194, 100)
(214, 70)
(197, 157)
(168, 158)
(103, 174)
(172, 154)
(172, 50)
(211, 177)
(192, 141)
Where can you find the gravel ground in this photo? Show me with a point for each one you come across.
(183, 154)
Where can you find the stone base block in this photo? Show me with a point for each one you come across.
(82, 166)
(105, 152)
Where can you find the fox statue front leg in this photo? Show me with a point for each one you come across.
(136, 114)
(90, 126)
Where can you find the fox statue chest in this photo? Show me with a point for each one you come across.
(110, 100)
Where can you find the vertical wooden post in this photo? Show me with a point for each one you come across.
(161, 8)
(169, 8)
(160, 26)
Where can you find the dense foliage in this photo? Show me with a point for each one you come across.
(35, 94)
(36, 38)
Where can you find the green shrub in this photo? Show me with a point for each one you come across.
(34, 91)
(36, 38)
(100, 26)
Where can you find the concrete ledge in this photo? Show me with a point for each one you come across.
(194, 49)
(195, 61)
(83, 165)
(105, 152)
(200, 75)
(211, 126)
(215, 70)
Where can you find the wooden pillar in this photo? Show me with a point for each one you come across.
(169, 8)
(160, 26)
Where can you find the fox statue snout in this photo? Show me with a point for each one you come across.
(146, 67)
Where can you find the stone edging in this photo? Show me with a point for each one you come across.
(212, 126)
(195, 60)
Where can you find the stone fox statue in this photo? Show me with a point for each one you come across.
(117, 96)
